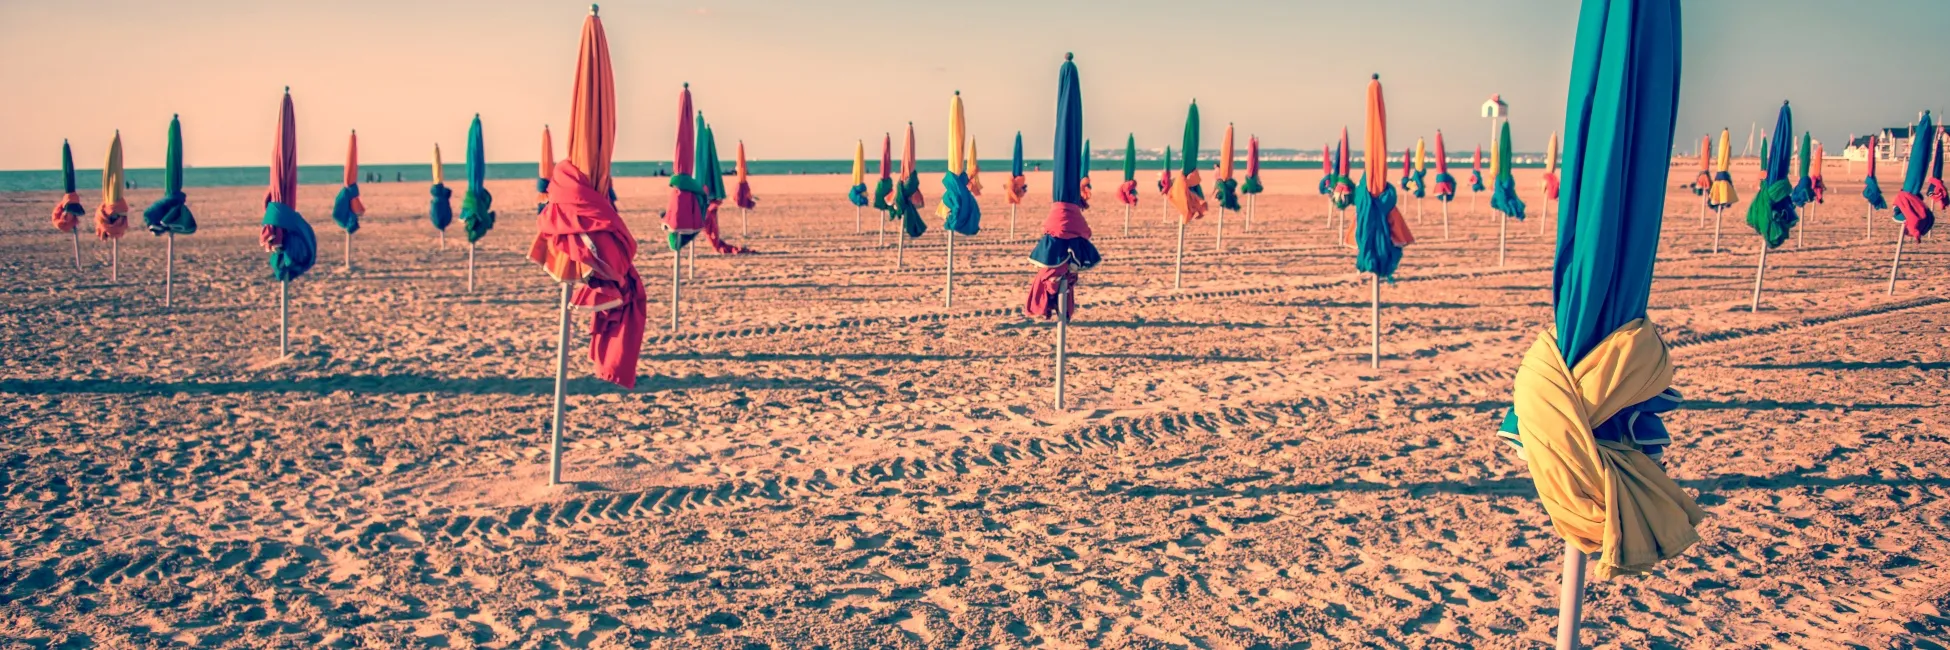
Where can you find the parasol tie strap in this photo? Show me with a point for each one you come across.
(1604, 497)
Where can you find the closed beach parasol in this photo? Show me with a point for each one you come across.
(1164, 186)
(710, 172)
(1018, 184)
(1589, 390)
(1226, 190)
(742, 195)
(908, 200)
(1935, 151)
(170, 216)
(1550, 181)
(1343, 192)
(1251, 187)
(580, 238)
(1504, 197)
(857, 194)
(1814, 174)
(67, 213)
(441, 210)
(1188, 194)
(690, 196)
(684, 214)
(544, 170)
(1065, 247)
(1445, 184)
(883, 193)
(960, 212)
(1084, 190)
(1703, 184)
(1722, 196)
(1127, 190)
(1872, 191)
(1417, 175)
(1911, 210)
(1771, 214)
(112, 218)
(1804, 186)
(1475, 177)
(1326, 169)
(346, 207)
(1761, 179)
(1378, 232)
(477, 207)
(974, 169)
(286, 235)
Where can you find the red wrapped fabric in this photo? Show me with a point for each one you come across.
(64, 220)
(1128, 193)
(112, 220)
(581, 226)
(1051, 285)
(1917, 219)
(711, 233)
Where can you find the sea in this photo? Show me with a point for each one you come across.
(50, 179)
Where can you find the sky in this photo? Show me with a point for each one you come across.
(802, 79)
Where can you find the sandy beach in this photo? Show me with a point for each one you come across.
(825, 456)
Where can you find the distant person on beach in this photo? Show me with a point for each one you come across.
(397, 176)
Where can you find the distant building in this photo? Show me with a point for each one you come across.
(1893, 145)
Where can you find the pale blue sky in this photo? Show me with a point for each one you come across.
(800, 79)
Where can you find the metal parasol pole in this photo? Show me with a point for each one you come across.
(857, 228)
(676, 283)
(470, 266)
(1760, 271)
(561, 390)
(1127, 220)
(76, 233)
(1570, 599)
(348, 251)
(1445, 221)
(1178, 267)
(1502, 229)
(1249, 212)
(114, 259)
(1062, 336)
(284, 318)
(741, 223)
(900, 250)
(1374, 321)
(1897, 264)
(1869, 223)
(1220, 244)
(948, 290)
(1719, 217)
(169, 267)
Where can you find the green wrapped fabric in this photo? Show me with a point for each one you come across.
(476, 207)
(904, 198)
(1772, 212)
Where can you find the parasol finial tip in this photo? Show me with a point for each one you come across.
(957, 93)
(1375, 76)
(1069, 56)
(593, 9)
(287, 90)
(687, 85)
